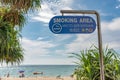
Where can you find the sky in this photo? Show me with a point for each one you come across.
(42, 47)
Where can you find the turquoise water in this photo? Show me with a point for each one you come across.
(48, 70)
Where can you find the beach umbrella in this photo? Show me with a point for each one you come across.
(21, 71)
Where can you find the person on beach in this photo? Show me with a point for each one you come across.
(59, 77)
(23, 75)
(8, 75)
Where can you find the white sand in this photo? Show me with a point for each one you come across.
(38, 78)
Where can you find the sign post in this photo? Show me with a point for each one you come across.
(75, 24)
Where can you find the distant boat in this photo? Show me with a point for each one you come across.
(36, 73)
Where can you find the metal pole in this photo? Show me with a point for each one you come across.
(99, 35)
(102, 77)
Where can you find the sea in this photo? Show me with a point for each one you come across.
(28, 70)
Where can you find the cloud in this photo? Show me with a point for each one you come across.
(117, 6)
(37, 52)
(114, 45)
(113, 25)
(50, 61)
(50, 9)
(36, 47)
(62, 37)
(44, 14)
(81, 42)
(40, 38)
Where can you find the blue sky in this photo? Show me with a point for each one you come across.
(41, 46)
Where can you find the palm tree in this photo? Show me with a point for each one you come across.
(12, 20)
(22, 5)
(88, 64)
(10, 48)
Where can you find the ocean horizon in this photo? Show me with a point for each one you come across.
(48, 70)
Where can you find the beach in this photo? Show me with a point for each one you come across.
(38, 78)
(50, 72)
(29, 70)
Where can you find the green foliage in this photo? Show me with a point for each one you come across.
(12, 20)
(22, 5)
(88, 64)
(10, 48)
(12, 17)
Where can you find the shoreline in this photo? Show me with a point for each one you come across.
(38, 78)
